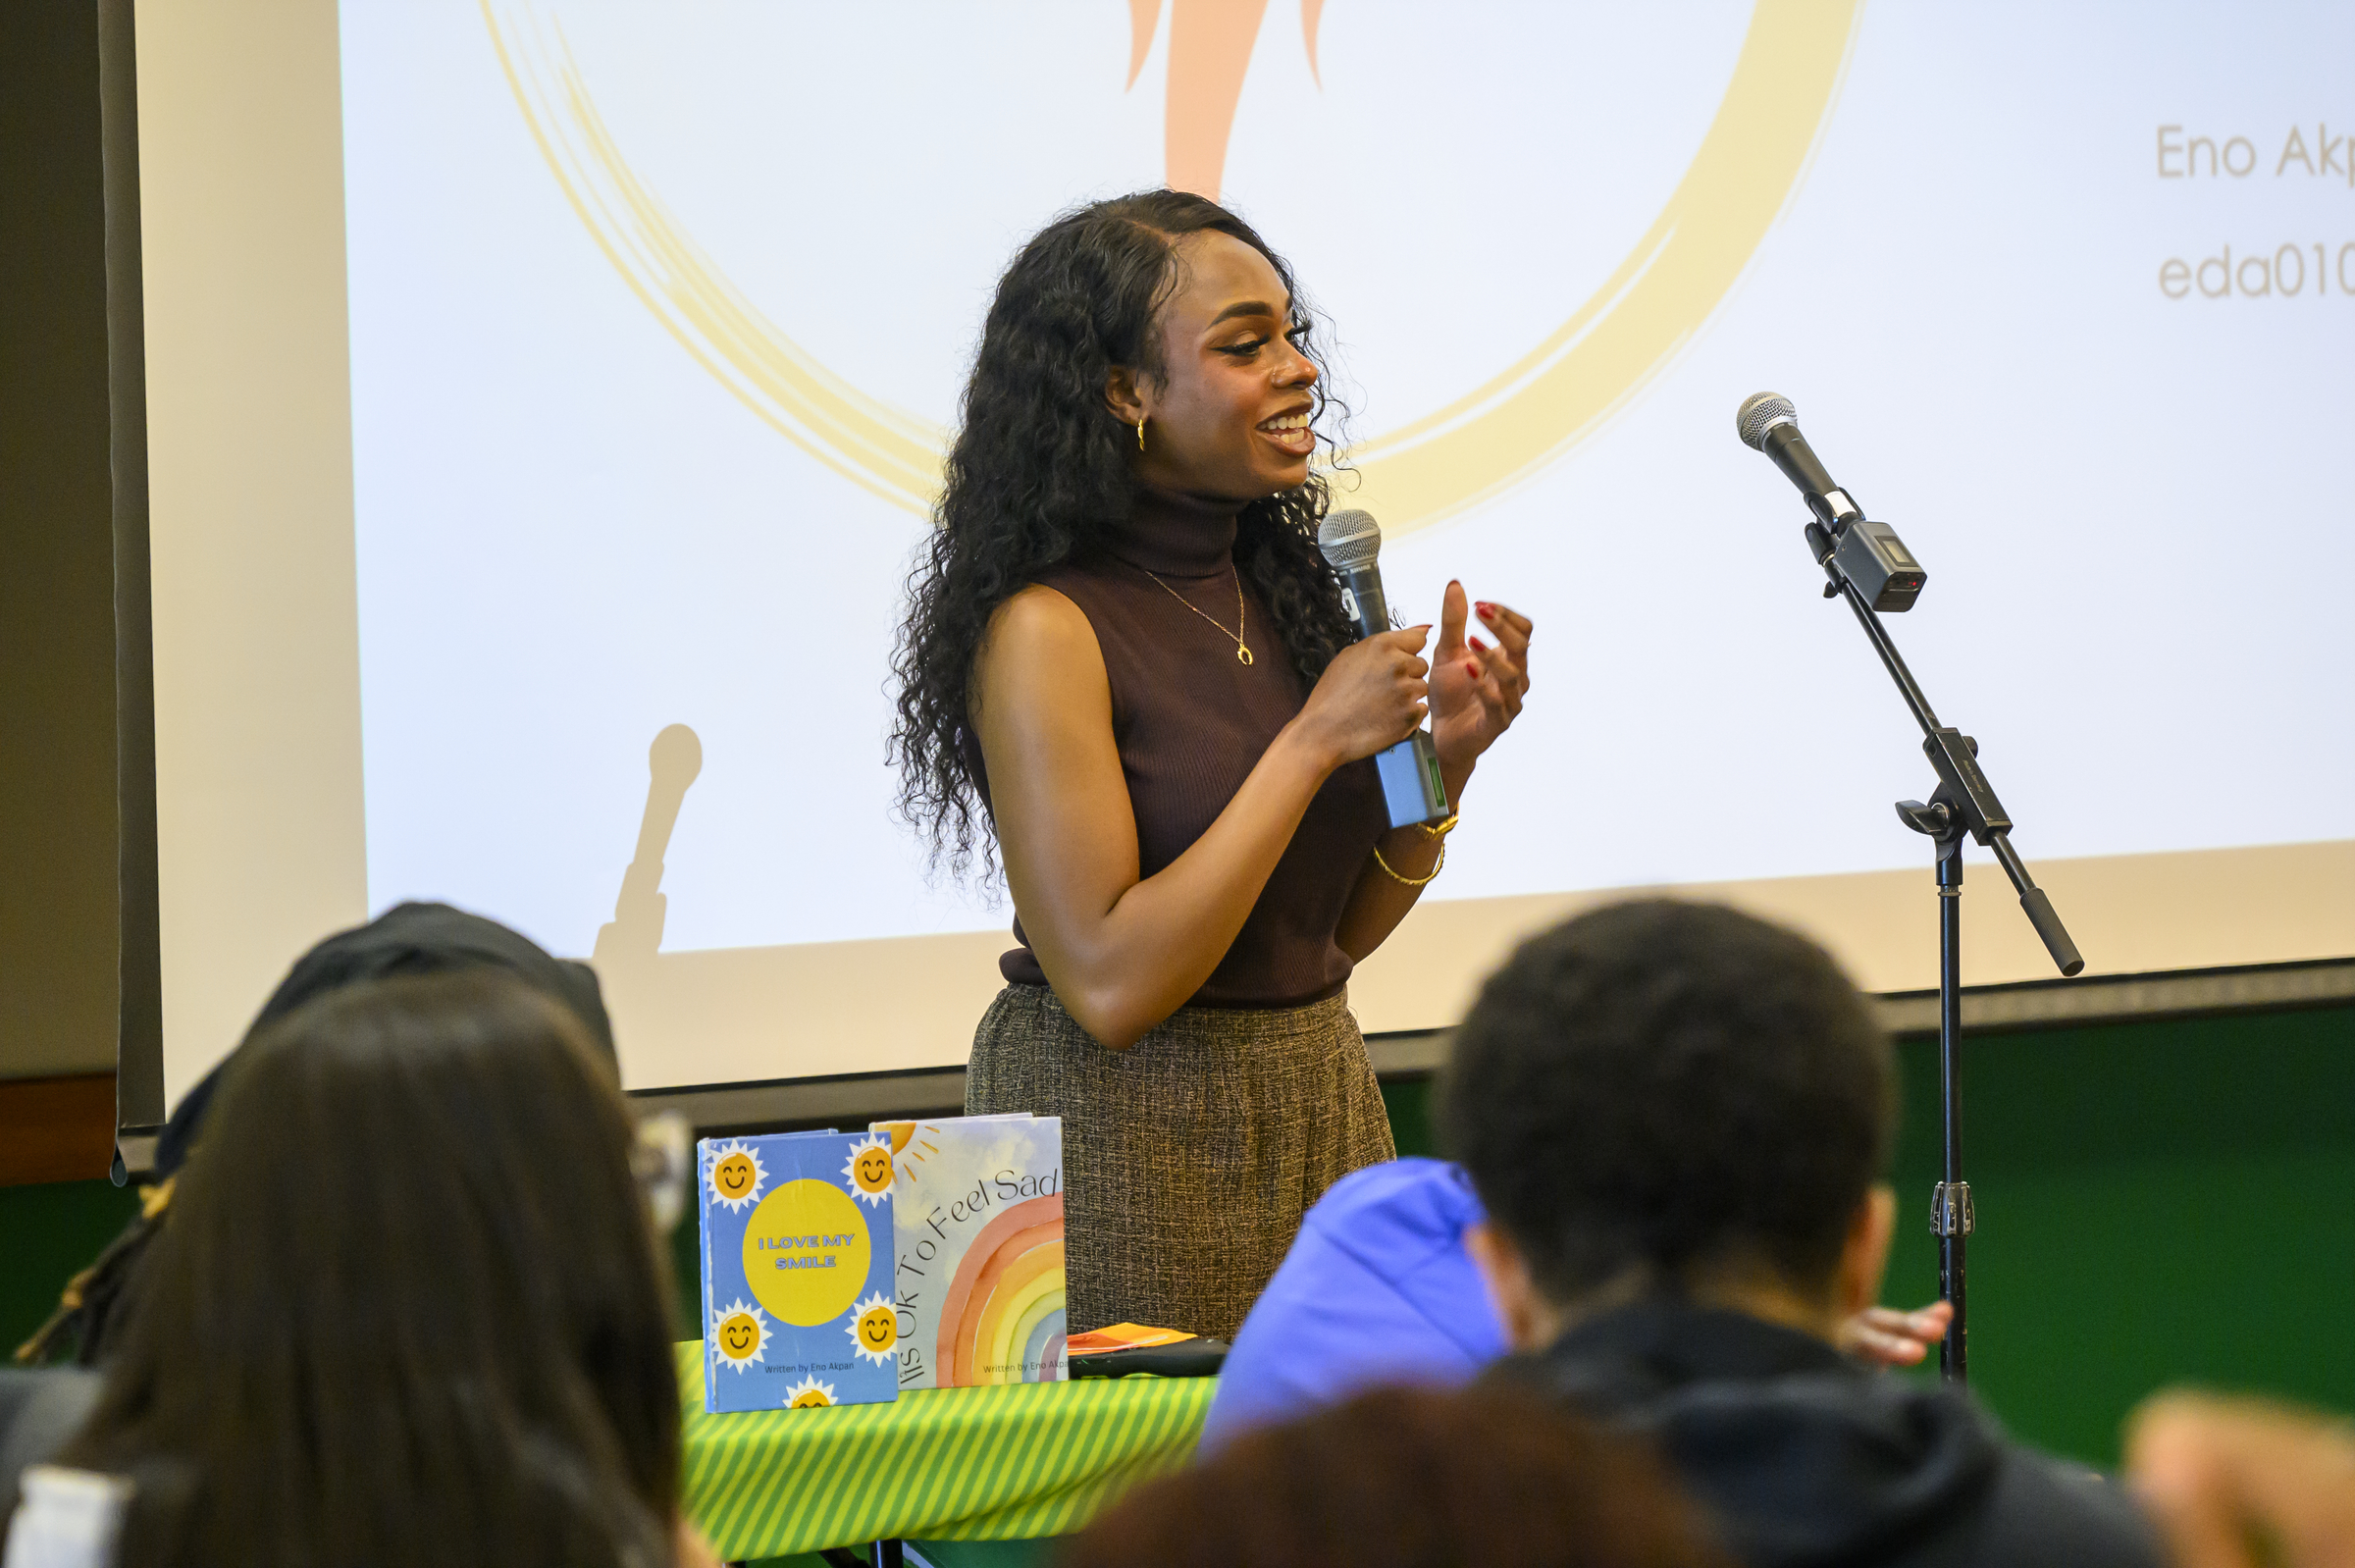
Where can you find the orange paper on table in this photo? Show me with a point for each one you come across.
(1124, 1336)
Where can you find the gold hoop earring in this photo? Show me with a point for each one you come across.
(1140, 435)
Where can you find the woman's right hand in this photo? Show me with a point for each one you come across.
(1372, 696)
(1123, 951)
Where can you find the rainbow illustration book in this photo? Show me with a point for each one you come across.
(978, 1216)
(798, 1248)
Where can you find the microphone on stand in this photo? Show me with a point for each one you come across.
(1870, 553)
(1863, 563)
(1412, 786)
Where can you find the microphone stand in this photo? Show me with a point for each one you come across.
(1962, 804)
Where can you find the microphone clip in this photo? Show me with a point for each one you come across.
(1871, 556)
(1835, 508)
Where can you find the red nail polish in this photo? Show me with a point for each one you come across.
(1478, 643)
(1488, 612)
(1471, 669)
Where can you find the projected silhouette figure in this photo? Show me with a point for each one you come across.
(635, 934)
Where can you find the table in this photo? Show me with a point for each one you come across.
(1009, 1463)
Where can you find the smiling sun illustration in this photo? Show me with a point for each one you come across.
(869, 1170)
(809, 1395)
(735, 1176)
(740, 1333)
(874, 1328)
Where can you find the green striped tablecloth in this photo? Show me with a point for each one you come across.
(1009, 1463)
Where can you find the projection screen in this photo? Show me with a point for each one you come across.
(546, 399)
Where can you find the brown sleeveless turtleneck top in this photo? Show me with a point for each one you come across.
(1191, 721)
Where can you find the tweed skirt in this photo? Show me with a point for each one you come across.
(1189, 1158)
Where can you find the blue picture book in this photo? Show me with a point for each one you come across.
(798, 1305)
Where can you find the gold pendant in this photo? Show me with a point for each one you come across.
(1242, 654)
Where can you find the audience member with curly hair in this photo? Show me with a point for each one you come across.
(1678, 1119)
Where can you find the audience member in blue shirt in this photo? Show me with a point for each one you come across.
(1379, 1290)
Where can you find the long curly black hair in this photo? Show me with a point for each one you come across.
(1042, 465)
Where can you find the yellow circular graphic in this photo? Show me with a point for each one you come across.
(736, 1175)
(809, 1395)
(868, 1170)
(740, 1335)
(875, 1332)
(806, 1252)
(1530, 413)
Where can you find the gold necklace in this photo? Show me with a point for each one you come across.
(1242, 614)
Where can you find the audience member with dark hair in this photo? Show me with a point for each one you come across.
(1678, 1118)
(409, 1309)
(1410, 1478)
(407, 939)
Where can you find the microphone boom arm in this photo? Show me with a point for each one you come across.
(1964, 799)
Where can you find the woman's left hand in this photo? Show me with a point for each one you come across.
(1475, 690)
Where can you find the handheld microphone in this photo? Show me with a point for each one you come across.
(1869, 553)
(1412, 786)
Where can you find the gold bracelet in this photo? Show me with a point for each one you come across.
(1438, 829)
(1410, 881)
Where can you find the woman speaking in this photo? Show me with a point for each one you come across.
(1127, 663)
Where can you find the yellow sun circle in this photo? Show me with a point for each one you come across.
(739, 1337)
(871, 1167)
(735, 1176)
(809, 1398)
(878, 1330)
(806, 1252)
